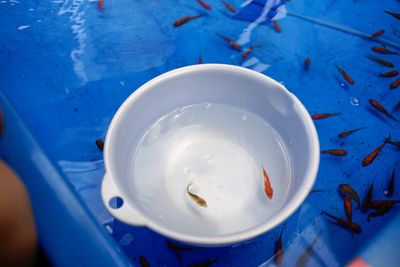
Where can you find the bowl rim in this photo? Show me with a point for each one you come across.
(271, 223)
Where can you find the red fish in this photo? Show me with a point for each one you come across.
(205, 263)
(345, 75)
(353, 227)
(307, 63)
(378, 33)
(204, 4)
(368, 197)
(395, 84)
(323, 115)
(372, 156)
(381, 211)
(100, 144)
(389, 74)
(383, 50)
(388, 140)
(395, 15)
(178, 249)
(267, 184)
(200, 60)
(348, 191)
(143, 262)
(248, 51)
(100, 5)
(348, 208)
(381, 62)
(232, 43)
(335, 152)
(184, 20)
(277, 27)
(229, 7)
(303, 258)
(376, 105)
(278, 250)
(390, 189)
(377, 204)
(349, 132)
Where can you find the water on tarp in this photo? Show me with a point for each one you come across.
(215, 151)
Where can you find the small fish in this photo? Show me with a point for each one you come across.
(345, 75)
(335, 152)
(232, 43)
(376, 105)
(348, 191)
(100, 144)
(277, 27)
(381, 61)
(205, 263)
(368, 198)
(267, 184)
(381, 211)
(204, 4)
(390, 189)
(372, 156)
(100, 5)
(278, 250)
(377, 33)
(395, 84)
(303, 258)
(229, 7)
(387, 140)
(199, 200)
(143, 262)
(389, 74)
(353, 227)
(184, 20)
(307, 63)
(383, 50)
(316, 191)
(1, 123)
(200, 60)
(395, 15)
(377, 204)
(349, 132)
(323, 115)
(348, 208)
(178, 249)
(248, 51)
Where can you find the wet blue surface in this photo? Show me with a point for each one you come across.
(63, 77)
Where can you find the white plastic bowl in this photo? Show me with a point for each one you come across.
(210, 83)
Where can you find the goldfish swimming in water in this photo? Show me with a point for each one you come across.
(323, 115)
(204, 4)
(200, 60)
(377, 204)
(353, 227)
(388, 140)
(381, 61)
(267, 184)
(381, 211)
(395, 84)
(100, 4)
(395, 15)
(277, 27)
(348, 191)
(345, 75)
(184, 20)
(348, 208)
(389, 74)
(229, 7)
(335, 152)
(368, 198)
(100, 144)
(248, 51)
(376, 105)
(372, 156)
(348, 132)
(143, 262)
(232, 43)
(199, 200)
(390, 189)
(303, 258)
(278, 250)
(307, 63)
(378, 33)
(383, 50)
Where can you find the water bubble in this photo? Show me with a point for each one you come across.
(122, 83)
(109, 229)
(386, 192)
(244, 117)
(126, 240)
(207, 105)
(354, 101)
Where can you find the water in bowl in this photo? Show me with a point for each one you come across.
(215, 152)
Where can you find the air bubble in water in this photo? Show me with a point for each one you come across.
(354, 101)
(207, 105)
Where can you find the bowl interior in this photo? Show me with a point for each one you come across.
(234, 185)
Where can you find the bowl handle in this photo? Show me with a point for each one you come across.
(125, 213)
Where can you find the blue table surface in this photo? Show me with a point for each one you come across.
(66, 66)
